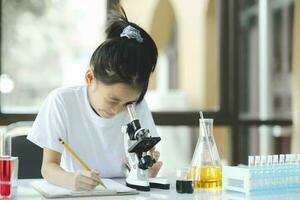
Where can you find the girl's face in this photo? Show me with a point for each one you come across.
(108, 100)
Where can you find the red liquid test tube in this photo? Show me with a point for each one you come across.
(5, 167)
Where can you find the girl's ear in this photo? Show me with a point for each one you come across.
(89, 76)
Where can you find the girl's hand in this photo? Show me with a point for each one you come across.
(85, 180)
(153, 171)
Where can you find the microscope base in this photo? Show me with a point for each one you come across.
(143, 185)
(160, 186)
(138, 187)
(159, 183)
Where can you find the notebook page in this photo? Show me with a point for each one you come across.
(50, 190)
(113, 185)
(47, 188)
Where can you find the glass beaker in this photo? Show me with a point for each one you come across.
(206, 168)
(184, 183)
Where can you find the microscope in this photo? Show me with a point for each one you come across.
(138, 141)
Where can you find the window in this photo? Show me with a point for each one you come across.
(265, 56)
(45, 45)
(186, 76)
(265, 45)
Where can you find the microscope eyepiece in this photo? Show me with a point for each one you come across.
(131, 112)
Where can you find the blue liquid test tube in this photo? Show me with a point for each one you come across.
(263, 172)
(257, 175)
(251, 168)
(275, 169)
(281, 172)
(288, 166)
(293, 171)
(269, 169)
(298, 170)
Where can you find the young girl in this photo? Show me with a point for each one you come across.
(89, 118)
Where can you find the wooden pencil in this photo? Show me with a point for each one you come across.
(69, 149)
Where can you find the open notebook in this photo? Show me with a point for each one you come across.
(52, 191)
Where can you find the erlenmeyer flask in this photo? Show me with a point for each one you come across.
(206, 168)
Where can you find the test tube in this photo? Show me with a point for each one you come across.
(275, 169)
(298, 170)
(263, 164)
(282, 170)
(1, 143)
(251, 168)
(250, 161)
(257, 161)
(269, 172)
(293, 171)
(257, 179)
(288, 170)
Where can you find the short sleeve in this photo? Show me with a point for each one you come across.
(49, 124)
(146, 118)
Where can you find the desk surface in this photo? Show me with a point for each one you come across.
(26, 192)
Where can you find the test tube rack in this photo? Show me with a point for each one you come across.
(271, 173)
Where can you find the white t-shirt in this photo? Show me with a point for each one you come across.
(99, 142)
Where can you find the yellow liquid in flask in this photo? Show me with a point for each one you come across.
(207, 177)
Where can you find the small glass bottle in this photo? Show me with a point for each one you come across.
(184, 183)
(206, 166)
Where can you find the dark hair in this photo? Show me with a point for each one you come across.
(124, 60)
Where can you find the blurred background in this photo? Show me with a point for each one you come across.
(235, 60)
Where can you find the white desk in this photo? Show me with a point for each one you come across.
(26, 192)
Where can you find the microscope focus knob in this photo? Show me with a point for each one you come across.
(146, 162)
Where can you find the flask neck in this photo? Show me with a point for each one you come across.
(206, 127)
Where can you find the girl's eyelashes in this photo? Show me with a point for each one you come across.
(132, 102)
